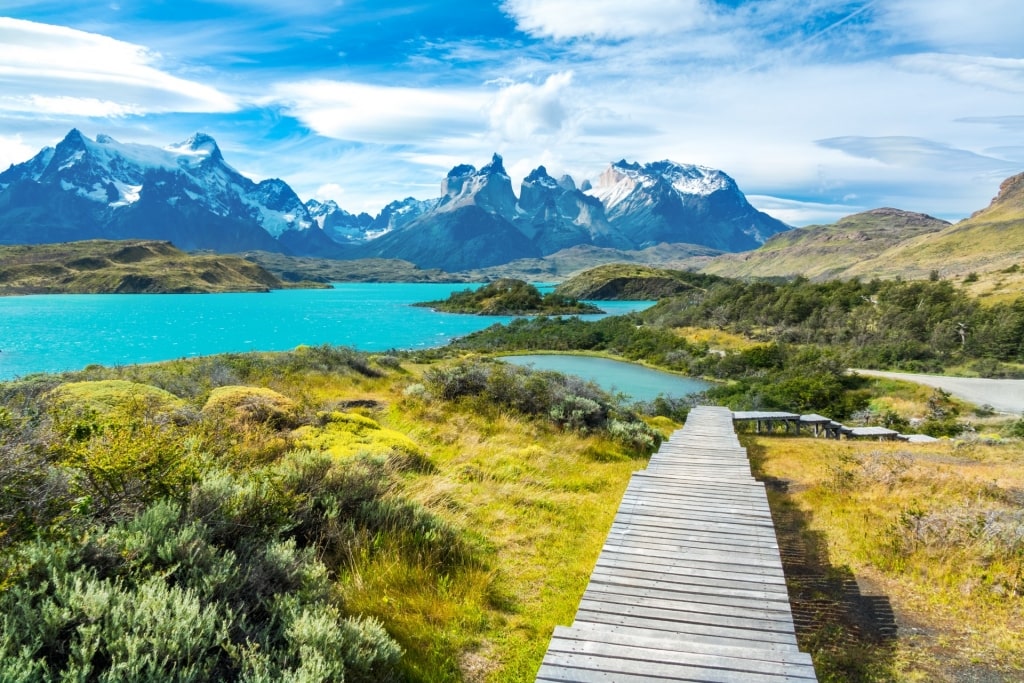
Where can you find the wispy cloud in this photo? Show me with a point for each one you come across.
(381, 114)
(49, 70)
(915, 152)
(565, 19)
(14, 150)
(981, 27)
(1002, 74)
(796, 212)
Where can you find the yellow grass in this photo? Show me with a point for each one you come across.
(537, 501)
(715, 339)
(930, 528)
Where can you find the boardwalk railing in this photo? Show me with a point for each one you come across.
(689, 584)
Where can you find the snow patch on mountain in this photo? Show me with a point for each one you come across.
(622, 179)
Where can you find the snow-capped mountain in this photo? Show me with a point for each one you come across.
(669, 202)
(186, 193)
(340, 225)
(478, 221)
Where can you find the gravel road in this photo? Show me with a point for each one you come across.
(1004, 395)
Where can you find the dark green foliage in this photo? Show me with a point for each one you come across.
(508, 296)
(918, 326)
(1015, 429)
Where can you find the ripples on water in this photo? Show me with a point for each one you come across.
(52, 333)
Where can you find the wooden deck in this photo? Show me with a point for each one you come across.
(689, 584)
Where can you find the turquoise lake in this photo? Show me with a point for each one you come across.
(52, 333)
(635, 381)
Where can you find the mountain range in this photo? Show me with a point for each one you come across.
(188, 194)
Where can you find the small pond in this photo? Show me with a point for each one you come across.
(637, 382)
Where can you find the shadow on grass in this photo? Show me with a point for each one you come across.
(850, 635)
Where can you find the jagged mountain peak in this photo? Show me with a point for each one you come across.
(622, 177)
(490, 188)
(74, 137)
(184, 192)
(540, 176)
(496, 167)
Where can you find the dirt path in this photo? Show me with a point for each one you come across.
(1004, 395)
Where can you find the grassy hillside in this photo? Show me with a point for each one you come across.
(124, 267)
(984, 251)
(819, 252)
(630, 282)
(992, 239)
(903, 561)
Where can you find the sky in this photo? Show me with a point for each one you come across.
(818, 109)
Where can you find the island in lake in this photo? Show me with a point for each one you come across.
(509, 296)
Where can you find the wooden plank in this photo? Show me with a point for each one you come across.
(693, 596)
(690, 612)
(672, 644)
(679, 652)
(652, 620)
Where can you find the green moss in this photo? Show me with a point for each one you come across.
(113, 396)
(345, 435)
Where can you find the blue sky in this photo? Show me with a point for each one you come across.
(818, 109)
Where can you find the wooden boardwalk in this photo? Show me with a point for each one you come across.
(689, 584)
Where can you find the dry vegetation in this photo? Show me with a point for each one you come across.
(905, 562)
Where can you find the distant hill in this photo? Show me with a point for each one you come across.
(619, 281)
(991, 239)
(575, 260)
(125, 267)
(820, 252)
(309, 269)
(892, 243)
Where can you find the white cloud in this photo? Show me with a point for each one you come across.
(796, 212)
(984, 27)
(59, 70)
(330, 191)
(380, 114)
(564, 19)
(524, 110)
(987, 72)
(13, 150)
(910, 151)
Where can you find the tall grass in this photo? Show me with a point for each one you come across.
(936, 529)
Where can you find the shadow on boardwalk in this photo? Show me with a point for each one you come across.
(850, 635)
